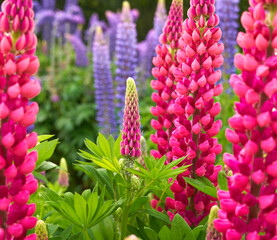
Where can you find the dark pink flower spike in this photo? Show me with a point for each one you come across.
(252, 197)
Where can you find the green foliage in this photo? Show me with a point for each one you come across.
(203, 184)
(83, 211)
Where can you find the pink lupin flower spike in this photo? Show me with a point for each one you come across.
(18, 63)
(165, 83)
(195, 127)
(130, 145)
(249, 207)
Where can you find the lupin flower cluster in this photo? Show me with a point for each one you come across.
(229, 15)
(131, 136)
(125, 54)
(104, 93)
(165, 82)
(195, 110)
(18, 64)
(249, 207)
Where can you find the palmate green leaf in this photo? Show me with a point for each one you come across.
(158, 215)
(46, 166)
(164, 233)
(93, 148)
(156, 169)
(92, 206)
(197, 230)
(180, 230)
(202, 186)
(42, 138)
(116, 147)
(80, 207)
(174, 163)
(222, 180)
(45, 151)
(104, 145)
(97, 175)
(139, 202)
(85, 155)
(150, 233)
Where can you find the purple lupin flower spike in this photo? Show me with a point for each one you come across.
(104, 93)
(130, 145)
(70, 2)
(81, 59)
(45, 16)
(159, 21)
(145, 53)
(126, 55)
(228, 12)
(49, 4)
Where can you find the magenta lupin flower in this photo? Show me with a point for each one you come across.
(130, 145)
(18, 63)
(165, 84)
(249, 208)
(195, 126)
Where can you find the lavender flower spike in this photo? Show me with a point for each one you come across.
(104, 94)
(130, 145)
(126, 55)
(229, 15)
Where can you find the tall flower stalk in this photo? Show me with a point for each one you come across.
(249, 208)
(126, 55)
(195, 110)
(165, 83)
(18, 64)
(103, 83)
(130, 148)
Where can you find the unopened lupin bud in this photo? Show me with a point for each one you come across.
(41, 230)
(63, 174)
(130, 145)
(212, 233)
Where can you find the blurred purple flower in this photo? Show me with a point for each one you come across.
(70, 2)
(93, 23)
(126, 56)
(45, 15)
(103, 83)
(229, 16)
(49, 4)
(113, 20)
(159, 21)
(67, 21)
(80, 49)
(145, 54)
